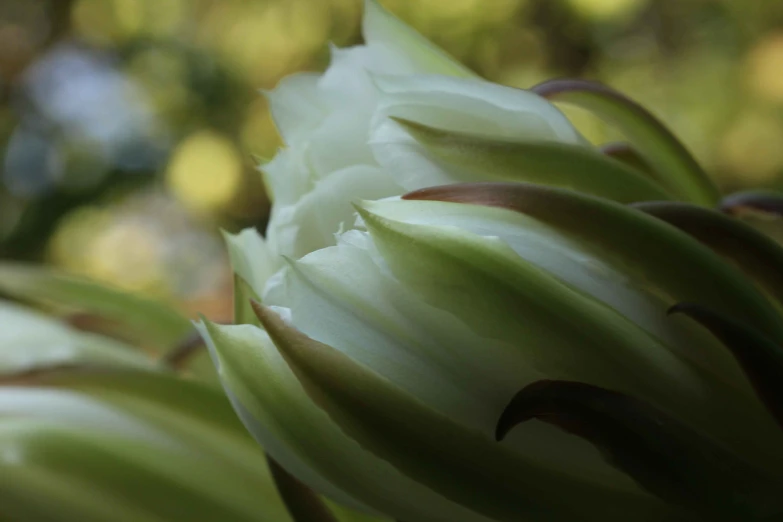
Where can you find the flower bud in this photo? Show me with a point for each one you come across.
(383, 363)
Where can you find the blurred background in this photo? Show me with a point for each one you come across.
(129, 129)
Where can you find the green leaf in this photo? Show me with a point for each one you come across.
(108, 445)
(30, 340)
(458, 463)
(670, 160)
(549, 163)
(662, 455)
(756, 254)
(146, 320)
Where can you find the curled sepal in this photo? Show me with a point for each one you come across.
(243, 294)
(302, 503)
(545, 162)
(756, 254)
(439, 454)
(626, 154)
(760, 201)
(149, 322)
(680, 268)
(760, 358)
(669, 159)
(663, 455)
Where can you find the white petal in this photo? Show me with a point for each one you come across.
(296, 106)
(287, 175)
(311, 223)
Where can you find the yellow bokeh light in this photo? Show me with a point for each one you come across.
(128, 255)
(264, 41)
(205, 172)
(97, 243)
(764, 66)
(71, 240)
(607, 9)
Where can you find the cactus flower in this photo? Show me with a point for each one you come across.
(380, 370)
(347, 132)
(397, 114)
(494, 345)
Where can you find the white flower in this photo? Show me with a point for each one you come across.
(342, 145)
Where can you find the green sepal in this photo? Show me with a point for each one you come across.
(243, 295)
(664, 456)
(101, 444)
(761, 201)
(302, 503)
(626, 154)
(679, 267)
(761, 359)
(670, 160)
(454, 461)
(756, 254)
(549, 163)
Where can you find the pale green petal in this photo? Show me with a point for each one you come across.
(383, 30)
(302, 437)
(442, 157)
(251, 258)
(30, 340)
